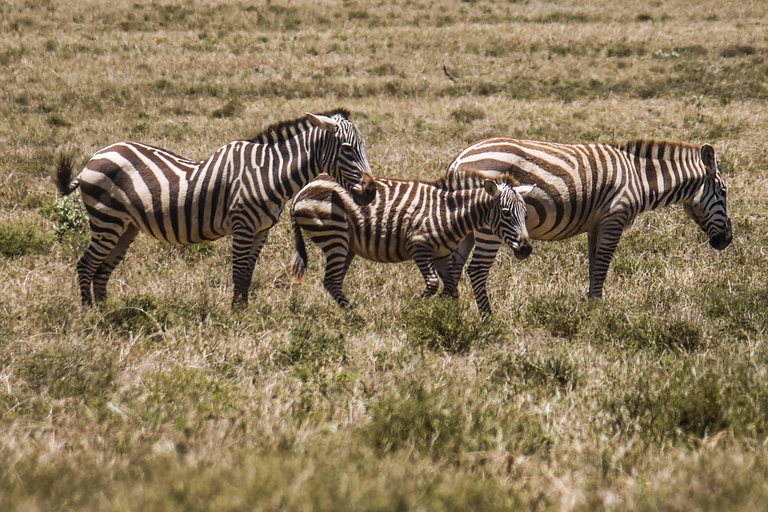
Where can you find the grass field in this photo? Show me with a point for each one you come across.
(655, 398)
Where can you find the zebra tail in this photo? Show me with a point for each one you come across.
(299, 263)
(64, 181)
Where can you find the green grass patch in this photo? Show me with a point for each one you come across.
(22, 239)
(445, 325)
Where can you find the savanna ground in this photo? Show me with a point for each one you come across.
(162, 399)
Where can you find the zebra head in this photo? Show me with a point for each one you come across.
(343, 156)
(508, 214)
(708, 206)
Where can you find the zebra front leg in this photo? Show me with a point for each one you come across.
(246, 248)
(486, 248)
(116, 255)
(602, 244)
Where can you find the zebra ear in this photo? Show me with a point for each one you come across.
(708, 158)
(524, 190)
(324, 122)
(491, 187)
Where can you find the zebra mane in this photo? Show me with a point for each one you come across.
(638, 145)
(279, 132)
(465, 176)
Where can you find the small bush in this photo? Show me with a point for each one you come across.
(428, 422)
(643, 17)
(22, 239)
(562, 315)
(737, 50)
(68, 216)
(468, 114)
(312, 345)
(443, 324)
(546, 370)
(231, 109)
(138, 313)
(686, 404)
(742, 309)
(68, 373)
(59, 121)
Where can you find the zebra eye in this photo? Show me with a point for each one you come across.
(346, 146)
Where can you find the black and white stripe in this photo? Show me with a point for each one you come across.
(240, 190)
(598, 189)
(407, 220)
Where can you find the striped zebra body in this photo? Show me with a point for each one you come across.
(407, 220)
(598, 189)
(240, 191)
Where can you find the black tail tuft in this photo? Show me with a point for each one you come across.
(64, 176)
(299, 264)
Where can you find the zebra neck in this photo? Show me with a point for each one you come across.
(472, 210)
(667, 172)
(291, 163)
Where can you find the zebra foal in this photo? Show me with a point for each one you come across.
(407, 220)
(240, 191)
(598, 189)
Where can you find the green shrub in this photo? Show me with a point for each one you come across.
(68, 216)
(138, 313)
(444, 324)
(417, 419)
(312, 345)
(22, 239)
(552, 369)
(468, 114)
(561, 314)
(68, 372)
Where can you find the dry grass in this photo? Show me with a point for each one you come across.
(162, 399)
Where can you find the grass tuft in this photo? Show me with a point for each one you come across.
(446, 325)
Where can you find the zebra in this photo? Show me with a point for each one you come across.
(408, 220)
(598, 189)
(240, 191)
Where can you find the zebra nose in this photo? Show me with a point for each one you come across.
(524, 249)
(721, 240)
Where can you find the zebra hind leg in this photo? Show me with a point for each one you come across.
(246, 249)
(113, 259)
(100, 248)
(602, 244)
(423, 257)
(456, 266)
(338, 257)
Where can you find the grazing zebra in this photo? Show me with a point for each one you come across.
(597, 189)
(407, 220)
(240, 190)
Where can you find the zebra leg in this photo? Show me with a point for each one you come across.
(444, 268)
(112, 260)
(423, 257)
(338, 257)
(100, 248)
(457, 261)
(246, 248)
(602, 244)
(486, 247)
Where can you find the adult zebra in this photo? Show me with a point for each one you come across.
(240, 190)
(597, 189)
(407, 220)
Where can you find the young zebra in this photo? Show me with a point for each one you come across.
(408, 220)
(597, 189)
(240, 190)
